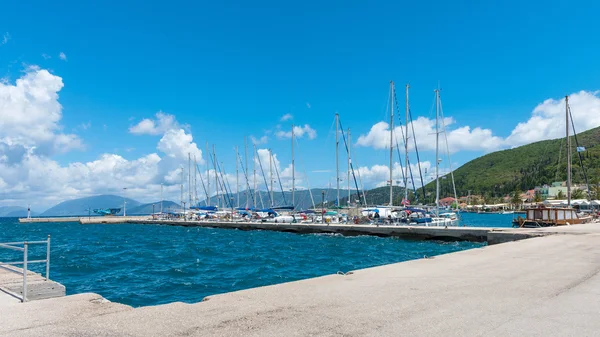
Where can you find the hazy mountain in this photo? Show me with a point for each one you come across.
(80, 206)
(146, 209)
(302, 198)
(14, 212)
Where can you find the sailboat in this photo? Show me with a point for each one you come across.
(556, 216)
(445, 218)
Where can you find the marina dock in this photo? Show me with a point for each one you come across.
(545, 286)
(491, 235)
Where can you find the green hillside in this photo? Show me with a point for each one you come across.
(500, 173)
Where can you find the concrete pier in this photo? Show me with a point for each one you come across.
(545, 286)
(50, 219)
(38, 288)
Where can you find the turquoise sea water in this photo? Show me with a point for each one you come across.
(143, 265)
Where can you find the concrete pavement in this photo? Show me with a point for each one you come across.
(546, 286)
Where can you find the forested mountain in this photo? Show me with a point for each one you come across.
(500, 173)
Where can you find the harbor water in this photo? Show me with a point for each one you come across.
(142, 265)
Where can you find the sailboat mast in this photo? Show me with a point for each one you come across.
(190, 179)
(246, 169)
(437, 154)
(207, 175)
(337, 157)
(349, 168)
(391, 142)
(216, 175)
(254, 173)
(237, 176)
(293, 171)
(406, 148)
(568, 154)
(181, 188)
(271, 175)
(161, 198)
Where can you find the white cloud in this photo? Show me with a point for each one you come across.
(62, 56)
(299, 132)
(308, 105)
(178, 144)
(286, 117)
(5, 38)
(46, 56)
(547, 120)
(459, 139)
(30, 114)
(158, 126)
(257, 141)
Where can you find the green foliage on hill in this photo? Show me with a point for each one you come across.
(522, 168)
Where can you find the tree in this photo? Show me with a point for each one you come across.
(578, 194)
(516, 198)
(560, 195)
(537, 197)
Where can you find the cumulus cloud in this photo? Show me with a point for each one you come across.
(157, 126)
(30, 114)
(547, 120)
(459, 139)
(62, 56)
(286, 117)
(31, 134)
(178, 144)
(299, 132)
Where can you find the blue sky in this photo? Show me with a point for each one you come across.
(233, 69)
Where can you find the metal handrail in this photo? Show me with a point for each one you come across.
(25, 262)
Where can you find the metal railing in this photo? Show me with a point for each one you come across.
(26, 262)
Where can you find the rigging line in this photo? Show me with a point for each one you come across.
(350, 160)
(579, 155)
(412, 124)
(280, 185)
(264, 178)
(201, 180)
(218, 181)
(224, 185)
(400, 157)
(245, 176)
(448, 154)
(305, 173)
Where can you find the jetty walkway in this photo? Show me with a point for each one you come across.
(545, 286)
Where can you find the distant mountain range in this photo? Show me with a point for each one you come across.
(14, 212)
(80, 206)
